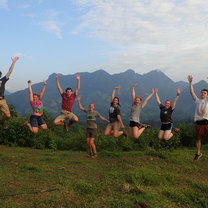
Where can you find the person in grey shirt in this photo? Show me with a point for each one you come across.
(91, 131)
(136, 128)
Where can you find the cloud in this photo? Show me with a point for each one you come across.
(4, 4)
(53, 27)
(151, 33)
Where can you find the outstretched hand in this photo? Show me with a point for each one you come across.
(153, 90)
(44, 82)
(29, 82)
(117, 87)
(58, 75)
(178, 91)
(77, 77)
(156, 90)
(190, 79)
(134, 85)
(15, 59)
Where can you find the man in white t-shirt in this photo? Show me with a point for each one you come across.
(200, 117)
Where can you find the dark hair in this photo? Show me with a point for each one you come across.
(118, 101)
(36, 94)
(204, 90)
(0, 73)
(68, 88)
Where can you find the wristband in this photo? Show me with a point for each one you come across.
(178, 94)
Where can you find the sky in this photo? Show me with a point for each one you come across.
(72, 36)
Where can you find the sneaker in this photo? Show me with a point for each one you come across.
(196, 157)
(141, 125)
(5, 126)
(94, 156)
(90, 154)
(175, 130)
(124, 133)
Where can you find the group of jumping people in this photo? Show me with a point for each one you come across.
(115, 125)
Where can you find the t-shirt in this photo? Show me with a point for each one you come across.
(113, 112)
(135, 112)
(165, 114)
(201, 111)
(37, 107)
(67, 102)
(91, 119)
(3, 81)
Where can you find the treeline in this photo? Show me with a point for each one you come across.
(56, 138)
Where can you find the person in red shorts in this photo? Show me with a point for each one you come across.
(200, 117)
(67, 117)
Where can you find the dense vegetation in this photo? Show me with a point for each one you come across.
(56, 138)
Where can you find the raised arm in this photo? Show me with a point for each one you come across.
(58, 84)
(43, 89)
(11, 67)
(190, 79)
(133, 92)
(178, 91)
(79, 104)
(157, 96)
(148, 97)
(30, 90)
(78, 84)
(114, 92)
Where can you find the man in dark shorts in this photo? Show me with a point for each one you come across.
(4, 108)
(91, 126)
(67, 117)
(200, 117)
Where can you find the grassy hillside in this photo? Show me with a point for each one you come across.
(46, 178)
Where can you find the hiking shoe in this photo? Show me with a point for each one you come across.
(196, 157)
(66, 125)
(124, 133)
(175, 130)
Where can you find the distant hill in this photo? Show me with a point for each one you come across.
(96, 87)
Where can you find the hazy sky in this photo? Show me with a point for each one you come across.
(70, 36)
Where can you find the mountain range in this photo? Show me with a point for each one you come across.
(96, 87)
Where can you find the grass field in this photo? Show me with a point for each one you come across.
(32, 178)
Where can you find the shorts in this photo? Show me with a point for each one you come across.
(133, 124)
(166, 127)
(201, 131)
(91, 133)
(36, 121)
(65, 115)
(4, 108)
(115, 125)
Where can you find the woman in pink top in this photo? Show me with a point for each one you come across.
(36, 119)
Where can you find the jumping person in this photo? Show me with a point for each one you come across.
(135, 127)
(167, 130)
(36, 119)
(66, 117)
(91, 131)
(4, 108)
(113, 128)
(200, 117)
